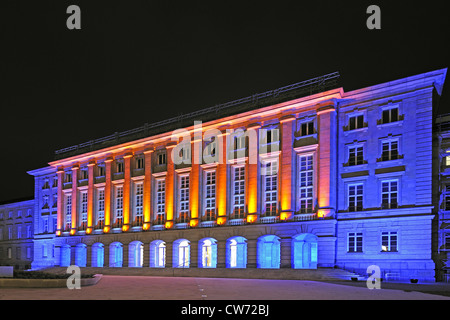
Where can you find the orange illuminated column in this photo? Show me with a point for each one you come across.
(170, 177)
(253, 173)
(326, 194)
(147, 187)
(108, 197)
(221, 189)
(196, 147)
(127, 191)
(286, 167)
(74, 199)
(90, 208)
(60, 203)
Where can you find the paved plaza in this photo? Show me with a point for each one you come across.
(117, 287)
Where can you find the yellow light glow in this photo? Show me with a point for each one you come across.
(106, 229)
(88, 230)
(221, 220)
(72, 232)
(146, 226)
(193, 223)
(284, 216)
(125, 228)
(58, 232)
(251, 218)
(169, 224)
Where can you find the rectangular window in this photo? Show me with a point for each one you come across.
(355, 155)
(270, 187)
(447, 202)
(184, 199)
(68, 211)
(306, 173)
(272, 135)
(389, 194)
(161, 158)
(389, 150)
(119, 207)
(101, 208)
(10, 233)
(355, 241)
(68, 177)
(119, 166)
(29, 235)
(19, 232)
(139, 201)
(210, 196)
(101, 170)
(390, 115)
(238, 192)
(239, 141)
(355, 197)
(356, 122)
(84, 205)
(160, 200)
(139, 163)
(389, 241)
(307, 128)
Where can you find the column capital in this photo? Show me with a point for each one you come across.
(287, 118)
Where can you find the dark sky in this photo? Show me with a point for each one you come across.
(134, 62)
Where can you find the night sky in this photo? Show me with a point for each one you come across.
(134, 62)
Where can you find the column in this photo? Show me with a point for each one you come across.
(286, 168)
(127, 215)
(170, 185)
(147, 205)
(146, 257)
(90, 207)
(251, 253)
(106, 255)
(74, 226)
(326, 162)
(108, 197)
(60, 203)
(221, 184)
(252, 176)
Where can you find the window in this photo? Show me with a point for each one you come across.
(390, 115)
(68, 177)
(160, 200)
(270, 187)
(238, 192)
(356, 122)
(19, 213)
(119, 206)
(45, 226)
(239, 141)
(119, 166)
(10, 215)
(161, 158)
(10, 233)
(447, 202)
(29, 235)
(84, 204)
(389, 194)
(210, 196)
(139, 163)
(139, 201)
(355, 197)
(355, 240)
(355, 155)
(55, 182)
(389, 241)
(306, 183)
(184, 199)
(100, 207)
(307, 128)
(272, 135)
(389, 150)
(84, 174)
(101, 170)
(19, 232)
(68, 211)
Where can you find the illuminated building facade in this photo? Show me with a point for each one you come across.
(324, 179)
(16, 233)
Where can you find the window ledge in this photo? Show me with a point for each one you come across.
(348, 131)
(390, 124)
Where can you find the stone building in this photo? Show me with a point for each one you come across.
(304, 176)
(16, 233)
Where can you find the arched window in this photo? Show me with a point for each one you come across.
(207, 253)
(268, 252)
(135, 254)
(181, 253)
(65, 255)
(236, 252)
(98, 255)
(115, 255)
(304, 251)
(80, 255)
(157, 254)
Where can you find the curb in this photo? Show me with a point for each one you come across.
(46, 283)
